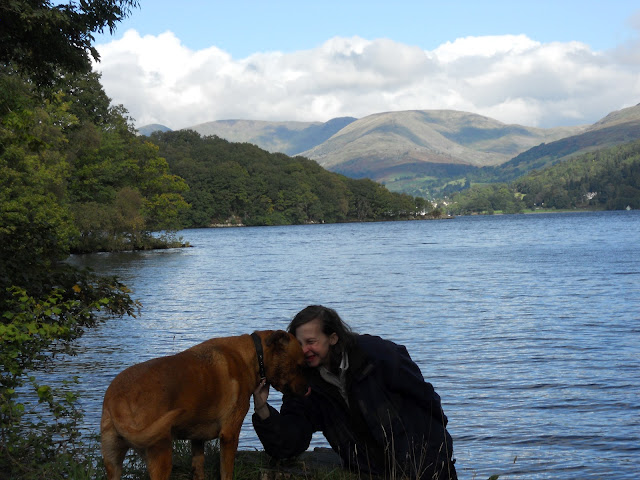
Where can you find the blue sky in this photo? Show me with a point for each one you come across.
(245, 27)
(286, 60)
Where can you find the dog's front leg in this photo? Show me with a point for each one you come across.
(228, 448)
(197, 459)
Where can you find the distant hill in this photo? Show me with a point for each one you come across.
(626, 115)
(619, 127)
(606, 178)
(425, 152)
(384, 142)
(434, 136)
(147, 130)
(285, 137)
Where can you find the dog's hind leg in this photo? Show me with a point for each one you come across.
(113, 447)
(158, 458)
(197, 459)
(114, 450)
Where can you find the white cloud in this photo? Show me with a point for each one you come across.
(484, 47)
(511, 78)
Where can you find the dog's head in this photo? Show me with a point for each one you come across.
(284, 363)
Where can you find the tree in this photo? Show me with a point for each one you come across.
(234, 182)
(46, 304)
(117, 187)
(35, 227)
(41, 39)
(606, 178)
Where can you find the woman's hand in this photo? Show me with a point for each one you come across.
(260, 396)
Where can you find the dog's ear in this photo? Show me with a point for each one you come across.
(279, 339)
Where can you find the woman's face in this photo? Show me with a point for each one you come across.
(315, 344)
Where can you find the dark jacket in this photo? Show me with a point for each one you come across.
(393, 423)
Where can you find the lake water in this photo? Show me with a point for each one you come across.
(528, 326)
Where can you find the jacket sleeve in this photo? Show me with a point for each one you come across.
(287, 433)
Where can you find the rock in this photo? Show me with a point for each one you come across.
(313, 464)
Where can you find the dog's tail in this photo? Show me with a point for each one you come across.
(145, 437)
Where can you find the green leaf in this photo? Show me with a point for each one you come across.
(44, 393)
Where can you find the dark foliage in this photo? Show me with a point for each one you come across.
(241, 183)
(40, 39)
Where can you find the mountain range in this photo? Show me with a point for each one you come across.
(290, 138)
(421, 151)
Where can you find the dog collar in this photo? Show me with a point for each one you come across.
(258, 343)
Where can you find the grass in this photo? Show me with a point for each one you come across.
(249, 465)
(321, 464)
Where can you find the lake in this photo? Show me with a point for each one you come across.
(528, 326)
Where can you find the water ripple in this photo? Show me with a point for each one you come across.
(527, 326)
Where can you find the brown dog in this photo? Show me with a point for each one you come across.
(199, 394)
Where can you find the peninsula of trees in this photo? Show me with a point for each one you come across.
(243, 184)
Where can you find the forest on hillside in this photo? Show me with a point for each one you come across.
(606, 179)
(239, 183)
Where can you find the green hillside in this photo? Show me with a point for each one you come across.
(617, 128)
(548, 154)
(239, 183)
(603, 179)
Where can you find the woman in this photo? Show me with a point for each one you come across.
(368, 398)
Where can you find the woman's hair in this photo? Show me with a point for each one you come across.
(331, 323)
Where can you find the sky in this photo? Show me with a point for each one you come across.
(535, 63)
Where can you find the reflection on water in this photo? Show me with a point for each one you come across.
(528, 326)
